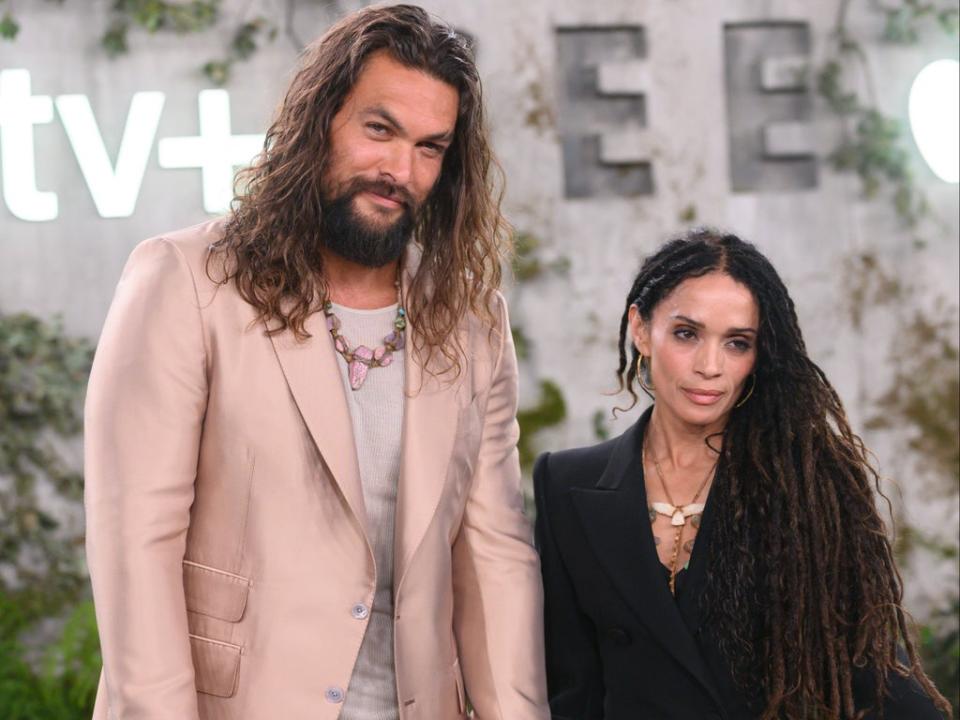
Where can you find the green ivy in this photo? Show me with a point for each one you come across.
(8, 27)
(873, 144)
(42, 376)
(940, 647)
(550, 410)
(902, 24)
(62, 684)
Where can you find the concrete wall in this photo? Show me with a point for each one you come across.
(618, 123)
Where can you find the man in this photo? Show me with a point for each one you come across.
(303, 493)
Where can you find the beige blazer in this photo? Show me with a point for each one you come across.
(226, 532)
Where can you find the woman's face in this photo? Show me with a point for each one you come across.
(701, 343)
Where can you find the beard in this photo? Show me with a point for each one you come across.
(355, 238)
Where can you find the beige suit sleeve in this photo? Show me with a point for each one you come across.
(498, 600)
(144, 411)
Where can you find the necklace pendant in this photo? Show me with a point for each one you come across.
(678, 520)
(358, 373)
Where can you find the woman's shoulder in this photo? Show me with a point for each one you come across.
(573, 467)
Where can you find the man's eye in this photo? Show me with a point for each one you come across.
(377, 128)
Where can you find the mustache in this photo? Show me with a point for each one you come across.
(381, 187)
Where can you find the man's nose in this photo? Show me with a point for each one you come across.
(397, 165)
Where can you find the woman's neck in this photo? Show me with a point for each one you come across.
(682, 445)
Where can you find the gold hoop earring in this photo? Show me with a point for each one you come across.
(648, 387)
(753, 386)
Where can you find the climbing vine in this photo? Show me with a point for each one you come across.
(873, 144)
(42, 575)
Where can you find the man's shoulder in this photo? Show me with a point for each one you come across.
(192, 243)
(168, 259)
(491, 313)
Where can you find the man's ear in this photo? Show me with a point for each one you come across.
(639, 331)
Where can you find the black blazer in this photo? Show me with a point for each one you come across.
(618, 645)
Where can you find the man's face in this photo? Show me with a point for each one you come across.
(387, 144)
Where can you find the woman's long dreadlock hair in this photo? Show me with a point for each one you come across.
(802, 591)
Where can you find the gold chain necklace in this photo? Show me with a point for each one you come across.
(678, 514)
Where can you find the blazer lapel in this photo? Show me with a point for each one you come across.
(428, 436)
(310, 368)
(614, 518)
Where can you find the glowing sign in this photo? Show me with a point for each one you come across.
(935, 117)
(215, 151)
(114, 190)
(114, 187)
(19, 112)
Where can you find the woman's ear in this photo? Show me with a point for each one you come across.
(639, 331)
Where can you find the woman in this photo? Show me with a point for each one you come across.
(723, 558)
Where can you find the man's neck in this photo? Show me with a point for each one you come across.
(357, 286)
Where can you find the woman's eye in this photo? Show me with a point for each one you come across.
(740, 345)
(684, 334)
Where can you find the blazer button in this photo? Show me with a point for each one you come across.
(619, 636)
(333, 694)
(360, 611)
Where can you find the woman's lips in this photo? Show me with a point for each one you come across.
(703, 397)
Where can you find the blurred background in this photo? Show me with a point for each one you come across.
(825, 132)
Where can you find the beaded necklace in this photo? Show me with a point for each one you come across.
(361, 358)
(678, 514)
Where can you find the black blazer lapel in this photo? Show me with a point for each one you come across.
(613, 515)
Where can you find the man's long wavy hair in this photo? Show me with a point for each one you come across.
(802, 591)
(272, 244)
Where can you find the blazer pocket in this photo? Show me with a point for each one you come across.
(213, 592)
(216, 666)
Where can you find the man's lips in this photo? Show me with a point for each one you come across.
(384, 200)
(703, 397)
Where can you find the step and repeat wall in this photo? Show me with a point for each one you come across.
(617, 123)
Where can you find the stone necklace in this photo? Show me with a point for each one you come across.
(678, 514)
(361, 358)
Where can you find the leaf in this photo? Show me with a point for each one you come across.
(114, 40)
(550, 410)
(8, 27)
(218, 71)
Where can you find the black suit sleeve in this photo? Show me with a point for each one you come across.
(574, 673)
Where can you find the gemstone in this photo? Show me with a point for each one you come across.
(341, 344)
(653, 514)
(358, 373)
(695, 520)
(688, 546)
(401, 341)
(656, 540)
(678, 518)
(363, 353)
(400, 323)
(378, 353)
(386, 360)
(333, 323)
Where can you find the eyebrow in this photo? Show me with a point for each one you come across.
(387, 116)
(731, 331)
